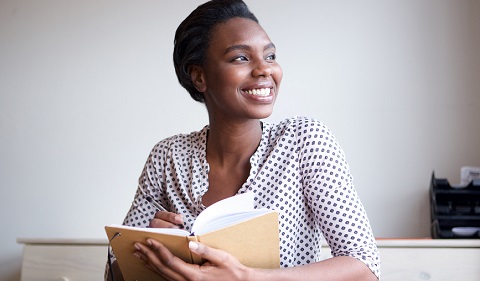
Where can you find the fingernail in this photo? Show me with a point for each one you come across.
(136, 246)
(193, 245)
(137, 255)
(149, 242)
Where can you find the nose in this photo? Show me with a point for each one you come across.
(263, 68)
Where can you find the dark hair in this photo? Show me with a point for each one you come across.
(193, 36)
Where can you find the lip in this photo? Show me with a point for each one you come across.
(258, 98)
(260, 85)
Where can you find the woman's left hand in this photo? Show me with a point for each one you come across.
(220, 265)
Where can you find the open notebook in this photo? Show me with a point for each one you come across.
(231, 224)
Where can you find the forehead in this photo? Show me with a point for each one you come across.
(236, 31)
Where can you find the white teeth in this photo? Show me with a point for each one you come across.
(259, 92)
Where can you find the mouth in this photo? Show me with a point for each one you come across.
(260, 92)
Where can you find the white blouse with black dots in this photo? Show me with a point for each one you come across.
(298, 169)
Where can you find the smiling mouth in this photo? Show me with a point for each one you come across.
(262, 92)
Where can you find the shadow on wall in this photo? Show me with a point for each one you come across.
(11, 276)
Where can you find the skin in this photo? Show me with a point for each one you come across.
(240, 57)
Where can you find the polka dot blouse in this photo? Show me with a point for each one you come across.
(298, 169)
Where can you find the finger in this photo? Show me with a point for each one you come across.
(166, 220)
(169, 216)
(158, 223)
(158, 259)
(141, 252)
(213, 255)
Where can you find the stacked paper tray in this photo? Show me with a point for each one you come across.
(455, 212)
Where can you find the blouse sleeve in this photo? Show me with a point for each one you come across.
(328, 186)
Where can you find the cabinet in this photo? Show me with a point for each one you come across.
(429, 259)
(63, 259)
(402, 259)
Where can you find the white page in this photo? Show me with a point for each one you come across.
(223, 213)
(172, 231)
(230, 219)
(240, 203)
(468, 174)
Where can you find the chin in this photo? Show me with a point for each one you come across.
(264, 114)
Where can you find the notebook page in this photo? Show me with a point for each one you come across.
(240, 203)
(172, 231)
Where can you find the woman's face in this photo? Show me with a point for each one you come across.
(240, 78)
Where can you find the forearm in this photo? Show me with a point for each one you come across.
(334, 269)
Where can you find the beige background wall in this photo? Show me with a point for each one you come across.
(88, 87)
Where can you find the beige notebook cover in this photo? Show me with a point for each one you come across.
(253, 238)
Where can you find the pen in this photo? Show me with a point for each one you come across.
(155, 203)
(160, 207)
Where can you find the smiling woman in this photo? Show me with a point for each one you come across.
(226, 60)
(240, 66)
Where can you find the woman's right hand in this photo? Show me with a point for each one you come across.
(166, 220)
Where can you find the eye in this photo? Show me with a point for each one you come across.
(239, 58)
(271, 57)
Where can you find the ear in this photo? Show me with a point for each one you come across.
(198, 78)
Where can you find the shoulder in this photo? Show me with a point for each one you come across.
(308, 135)
(181, 143)
(300, 127)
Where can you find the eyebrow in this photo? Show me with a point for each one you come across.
(247, 47)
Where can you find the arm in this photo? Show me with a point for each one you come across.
(333, 200)
(327, 270)
(222, 266)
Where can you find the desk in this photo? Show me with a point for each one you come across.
(429, 259)
(63, 259)
(402, 259)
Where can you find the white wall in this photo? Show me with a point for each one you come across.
(88, 87)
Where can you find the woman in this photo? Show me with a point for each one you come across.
(226, 60)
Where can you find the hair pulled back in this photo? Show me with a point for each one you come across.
(192, 37)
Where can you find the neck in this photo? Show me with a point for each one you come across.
(233, 144)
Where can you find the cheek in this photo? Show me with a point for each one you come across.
(216, 81)
(277, 75)
(231, 78)
(223, 84)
